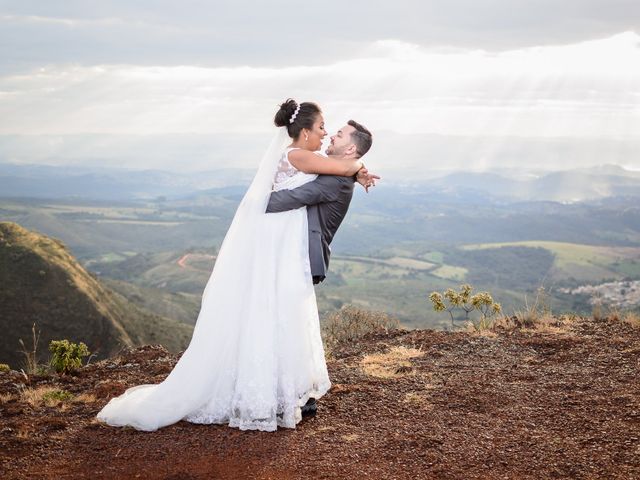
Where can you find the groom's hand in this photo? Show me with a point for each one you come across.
(366, 179)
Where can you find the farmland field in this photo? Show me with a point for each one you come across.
(382, 259)
(579, 261)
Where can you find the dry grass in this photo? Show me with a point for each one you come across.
(544, 322)
(84, 398)
(393, 364)
(540, 322)
(551, 324)
(45, 395)
(488, 331)
(413, 398)
(535, 314)
(23, 433)
(31, 355)
(614, 313)
(352, 437)
(5, 397)
(418, 400)
(321, 430)
(632, 319)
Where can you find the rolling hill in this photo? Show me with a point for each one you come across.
(42, 283)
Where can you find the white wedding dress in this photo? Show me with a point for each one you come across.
(256, 354)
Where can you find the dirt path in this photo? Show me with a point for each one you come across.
(183, 261)
(417, 404)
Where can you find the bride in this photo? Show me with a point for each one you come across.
(256, 354)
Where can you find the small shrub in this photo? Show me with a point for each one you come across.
(349, 323)
(481, 302)
(4, 368)
(67, 356)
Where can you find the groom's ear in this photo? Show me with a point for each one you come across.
(351, 150)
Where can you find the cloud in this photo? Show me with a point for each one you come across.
(496, 69)
(281, 33)
(586, 89)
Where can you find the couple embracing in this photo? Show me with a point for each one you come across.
(255, 360)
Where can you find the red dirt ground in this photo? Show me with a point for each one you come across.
(519, 404)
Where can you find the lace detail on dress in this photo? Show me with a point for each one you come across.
(258, 412)
(285, 169)
(287, 176)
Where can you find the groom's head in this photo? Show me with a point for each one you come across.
(352, 140)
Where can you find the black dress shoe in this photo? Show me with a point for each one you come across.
(310, 407)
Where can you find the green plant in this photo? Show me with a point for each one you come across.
(4, 367)
(482, 302)
(67, 356)
(55, 396)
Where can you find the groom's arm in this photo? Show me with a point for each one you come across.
(325, 188)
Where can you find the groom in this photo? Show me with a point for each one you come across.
(327, 199)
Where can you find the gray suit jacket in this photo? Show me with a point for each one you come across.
(327, 199)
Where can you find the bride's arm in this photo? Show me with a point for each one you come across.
(310, 162)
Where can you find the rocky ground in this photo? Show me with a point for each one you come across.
(558, 402)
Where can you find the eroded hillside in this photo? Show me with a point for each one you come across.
(42, 283)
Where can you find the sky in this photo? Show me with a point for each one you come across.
(194, 85)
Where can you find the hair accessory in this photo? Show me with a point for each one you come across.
(293, 117)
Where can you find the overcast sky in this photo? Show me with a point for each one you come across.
(410, 70)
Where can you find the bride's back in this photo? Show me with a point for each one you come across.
(287, 176)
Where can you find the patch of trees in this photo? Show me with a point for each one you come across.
(510, 267)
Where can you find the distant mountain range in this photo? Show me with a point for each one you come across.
(44, 181)
(42, 283)
(562, 186)
(39, 181)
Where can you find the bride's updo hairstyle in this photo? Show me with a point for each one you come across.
(303, 119)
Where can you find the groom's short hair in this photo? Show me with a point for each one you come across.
(361, 137)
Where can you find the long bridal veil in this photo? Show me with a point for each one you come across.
(243, 365)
